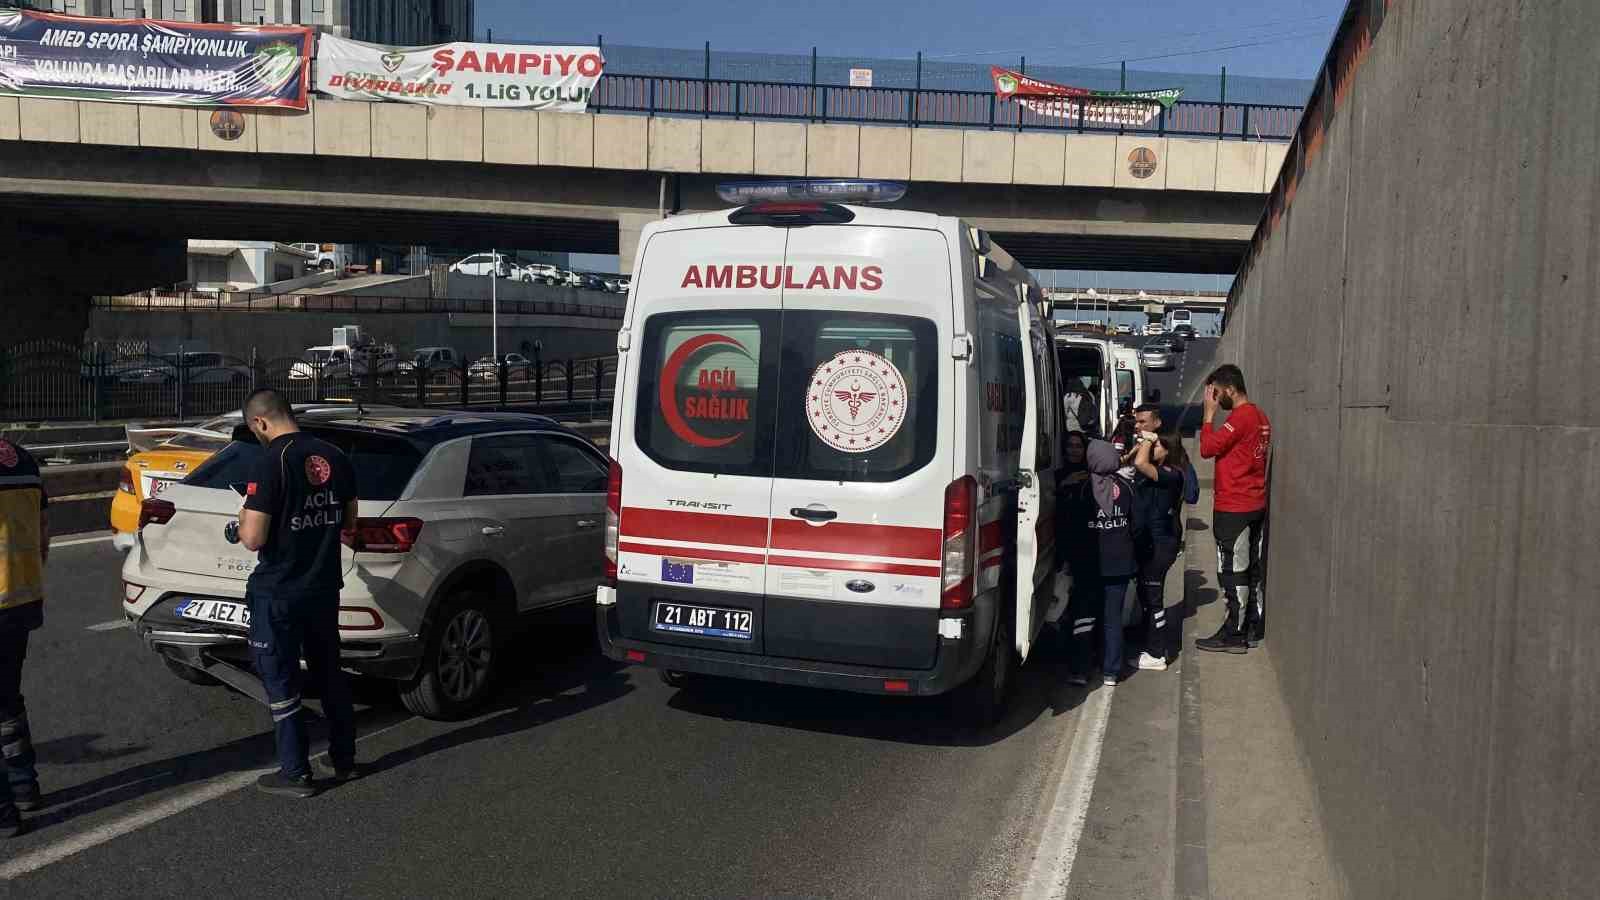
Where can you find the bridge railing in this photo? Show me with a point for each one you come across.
(723, 98)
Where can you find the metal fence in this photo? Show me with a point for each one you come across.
(53, 381)
(723, 98)
(351, 303)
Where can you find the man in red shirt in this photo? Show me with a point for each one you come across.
(1240, 447)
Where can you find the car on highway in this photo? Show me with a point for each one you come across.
(484, 264)
(543, 273)
(1155, 328)
(339, 363)
(194, 366)
(1157, 355)
(467, 522)
(486, 369)
(1185, 331)
(1122, 329)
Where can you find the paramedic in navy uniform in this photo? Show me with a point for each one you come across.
(299, 500)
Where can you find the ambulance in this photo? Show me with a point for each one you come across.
(835, 442)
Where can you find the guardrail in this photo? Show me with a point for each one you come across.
(345, 303)
(53, 381)
(722, 98)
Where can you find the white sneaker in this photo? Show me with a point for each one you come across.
(1154, 663)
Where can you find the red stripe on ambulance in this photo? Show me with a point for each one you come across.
(847, 537)
(708, 528)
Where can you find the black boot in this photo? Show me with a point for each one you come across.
(1227, 640)
(11, 822)
(1255, 629)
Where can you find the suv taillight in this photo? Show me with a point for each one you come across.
(397, 535)
(959, 552)
(125, 481)
(156, 512)
(613, 520)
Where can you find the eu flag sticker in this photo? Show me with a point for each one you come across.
(677, 572)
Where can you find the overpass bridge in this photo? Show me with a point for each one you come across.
(82, 182)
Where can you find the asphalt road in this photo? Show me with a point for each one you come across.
(1182, 382)
(581, 778)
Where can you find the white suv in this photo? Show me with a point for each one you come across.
(467, 520)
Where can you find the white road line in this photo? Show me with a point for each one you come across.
(76, 541)
(112, 625)
(221, 786)
(1051, 872)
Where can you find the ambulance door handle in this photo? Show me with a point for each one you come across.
(1025, 479)
(493, 530)
(813, 515)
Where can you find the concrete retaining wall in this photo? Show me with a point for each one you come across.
(1420, 323)
(281, 334)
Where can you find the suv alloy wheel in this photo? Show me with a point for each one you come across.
(459, 665)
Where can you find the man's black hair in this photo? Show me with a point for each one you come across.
(1149, 408)
(1228, 376)
(268, 404)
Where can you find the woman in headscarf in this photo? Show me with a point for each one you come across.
(1098, 516)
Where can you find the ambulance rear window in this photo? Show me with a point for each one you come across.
(706, 391)
(859, 396)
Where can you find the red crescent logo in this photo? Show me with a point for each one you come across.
(669, 389)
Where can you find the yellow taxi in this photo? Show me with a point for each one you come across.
(161, 457)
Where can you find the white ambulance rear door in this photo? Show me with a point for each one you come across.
(1036, 478)
(864, 453)
(697, 433)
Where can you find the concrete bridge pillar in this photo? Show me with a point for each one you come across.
(628, 227)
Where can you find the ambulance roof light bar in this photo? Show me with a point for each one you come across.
(834, 190)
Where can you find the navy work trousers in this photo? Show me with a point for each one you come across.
(282, 630)
(15, 740)
(1097, 600)
(1155, 558)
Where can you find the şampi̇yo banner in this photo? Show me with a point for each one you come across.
(460, 74)
(151, 61)
(1060, 101)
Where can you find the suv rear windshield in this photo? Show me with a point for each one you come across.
(384, 465)
(834, 396)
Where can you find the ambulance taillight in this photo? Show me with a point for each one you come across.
(613, 520)
(960, 548)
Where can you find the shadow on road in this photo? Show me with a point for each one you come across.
(554, 672)
(1040, 688)
(1195, 592)
(80, 748)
